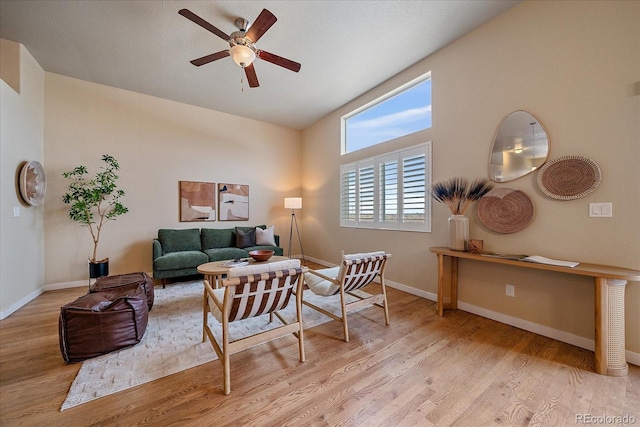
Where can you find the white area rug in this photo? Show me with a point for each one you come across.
(172, 343)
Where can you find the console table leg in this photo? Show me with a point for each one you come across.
(447, 274)
(610, 346)
(440, 299)
(454, 284)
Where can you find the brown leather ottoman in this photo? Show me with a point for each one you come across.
(101, 322)
(116, 281)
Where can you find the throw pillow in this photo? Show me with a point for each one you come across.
(265, 237)
(245, 239)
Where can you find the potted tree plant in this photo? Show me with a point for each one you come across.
(94, 202)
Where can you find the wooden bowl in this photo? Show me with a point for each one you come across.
(262, 255)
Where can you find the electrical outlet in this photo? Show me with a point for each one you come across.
(510, 290)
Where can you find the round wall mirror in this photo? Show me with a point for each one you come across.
(521, 145)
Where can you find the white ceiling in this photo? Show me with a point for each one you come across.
(345, 47)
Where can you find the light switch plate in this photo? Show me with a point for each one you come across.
(601, 210)
(16, 211)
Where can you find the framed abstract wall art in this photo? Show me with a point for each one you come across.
(233, 202)
(197, 201)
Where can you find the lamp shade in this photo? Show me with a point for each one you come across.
(242, 55)
(293, 203)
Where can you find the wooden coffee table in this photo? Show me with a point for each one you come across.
(214, 271)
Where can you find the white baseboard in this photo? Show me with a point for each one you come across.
(316, 260)
(413, 291)
(33, 295)
(21, 302)
(545, 331)
(66, 285)
(632, 358)
(50, 287)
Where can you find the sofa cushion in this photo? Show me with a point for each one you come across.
(222, 254)
(266, 236)
(182, 259)
(218, 238)
(179, 240)
(245, 239)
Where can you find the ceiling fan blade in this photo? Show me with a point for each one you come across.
(263, 22)
(210, 58)
(252, 78)
(204, 24)
(279, 60)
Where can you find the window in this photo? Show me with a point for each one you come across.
(399, 113)
(388, 191)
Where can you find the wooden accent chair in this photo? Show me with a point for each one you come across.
(355, 272)
(253, 291)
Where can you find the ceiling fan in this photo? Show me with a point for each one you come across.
(242, 44)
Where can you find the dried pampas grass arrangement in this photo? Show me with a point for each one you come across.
(458, 194)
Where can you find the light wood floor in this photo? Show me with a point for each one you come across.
(421, 370)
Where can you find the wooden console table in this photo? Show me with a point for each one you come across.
(609, 300)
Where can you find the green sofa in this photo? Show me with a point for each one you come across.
(178, 253)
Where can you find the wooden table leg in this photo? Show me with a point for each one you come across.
(454, 284)
(440, 299)
(447, 275)
(609, 342)
(214, 280)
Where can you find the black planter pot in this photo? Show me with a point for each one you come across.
(99, 268)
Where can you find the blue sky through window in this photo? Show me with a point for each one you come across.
(400, 115)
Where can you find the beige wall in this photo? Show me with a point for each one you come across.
(572, 64)
(575, 66)
(157, 143)
(21, 140)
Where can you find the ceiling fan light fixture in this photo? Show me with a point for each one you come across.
(242, 55)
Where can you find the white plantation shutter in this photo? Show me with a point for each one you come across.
(366, 193)
(389, 191)
(348, 195)
(414, 190)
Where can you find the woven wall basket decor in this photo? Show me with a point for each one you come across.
(505, 210)
(33, 183)
(569, 177)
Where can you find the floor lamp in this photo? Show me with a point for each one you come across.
(294, 203)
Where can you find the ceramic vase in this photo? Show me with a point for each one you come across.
(458, 232)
